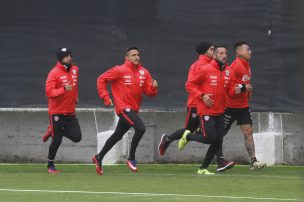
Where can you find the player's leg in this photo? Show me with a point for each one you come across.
(72, 128)
(133, 119)
(207, 134)
(203, 169)
(216, 130)
(121, 129)
(57, 124)
(191, 123)
(222, 163)
(245, 123)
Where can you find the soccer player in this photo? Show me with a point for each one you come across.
(205, 51)
(210, 85)
(238, 106)
(128, 81)
(62, 91)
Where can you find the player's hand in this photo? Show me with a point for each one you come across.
(237, 89)
(249, 88)
(68, 87)
(108, 102)
(207, 100)
(155, 84)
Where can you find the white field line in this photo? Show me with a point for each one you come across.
(148, 194)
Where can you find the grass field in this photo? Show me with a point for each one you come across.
(31, 182)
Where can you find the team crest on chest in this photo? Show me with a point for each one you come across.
(227, 72)
(74, 71)
(246, 78)
(141, 72)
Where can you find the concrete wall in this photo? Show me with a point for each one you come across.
(21, 131)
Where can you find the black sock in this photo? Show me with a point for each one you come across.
(176, 135)
(98, 158)
(50, 163)
(210, 154)
(219, 154)
(220, 160)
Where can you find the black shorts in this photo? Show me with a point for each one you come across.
(65, 126)
(211, 130)
(241, 115)
(192, 121)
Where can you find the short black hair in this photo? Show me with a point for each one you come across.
(220, 46)
(239, 44)
(131, 48)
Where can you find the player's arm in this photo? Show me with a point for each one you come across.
(50, 87)
(150, 86)
(102, 81)
(193, 83)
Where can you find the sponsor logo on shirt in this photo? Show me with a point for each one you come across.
(127, 79)
(213, 80)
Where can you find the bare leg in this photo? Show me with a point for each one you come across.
(249, 142)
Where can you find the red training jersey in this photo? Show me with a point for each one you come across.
(202, 61)
(209, 79)
(242, 75)
(128, 83)
(61, 101)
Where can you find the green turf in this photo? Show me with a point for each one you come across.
(177, 182)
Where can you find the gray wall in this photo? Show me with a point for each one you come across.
(21, 131)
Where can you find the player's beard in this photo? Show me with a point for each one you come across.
(221, 64)
(67, 65)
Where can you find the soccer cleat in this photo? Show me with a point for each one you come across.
(52, 169)
(254, 165)
(132, 165)
(163, 144)
(98, 168)
(47, 134)
(224, 165)
(204, 172)
(183, 141)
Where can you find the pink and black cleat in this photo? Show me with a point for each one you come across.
(52, 169)
(98, 168)
(132, 165)
(225, 165)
